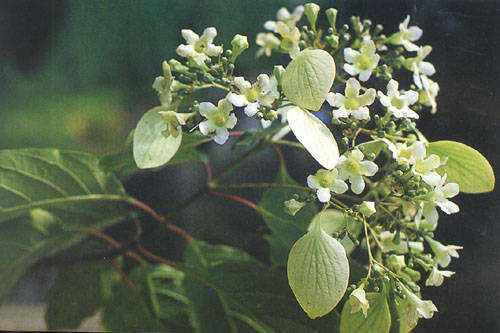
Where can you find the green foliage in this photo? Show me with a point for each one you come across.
(74, 296)
(378, 318)
(318, 272)
(49, 200)
(465, 166)
(308, 79)
(335, 222)
(285, 228)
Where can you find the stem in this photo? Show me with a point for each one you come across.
(235, 198)
(370, 256)
(263, 185)
(115, 244)
(154, 257)
(288, 143)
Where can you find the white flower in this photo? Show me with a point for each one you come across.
(398, 103)
(404, 154)
(359, 301)
(352, 103)
(326, 181)
(418, 66)
(428, 93)
(425, 169)
(263, 92)
(436, 277)
(443, 253)
(353, 167)
(284, 16)
(268, 42)
(290, 38)
(406, 35)
(200, 49)
(219, 119)
(416, 308)
(361, 62)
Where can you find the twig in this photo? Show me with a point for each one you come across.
(235, 198)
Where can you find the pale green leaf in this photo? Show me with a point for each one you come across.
(308, 78)
(152, 147)
(49, 199)
(314, 135)
(378, 318)
(318, 272)
(465, 166)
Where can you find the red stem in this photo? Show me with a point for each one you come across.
(235, 198)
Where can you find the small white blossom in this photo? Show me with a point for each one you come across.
(353, 167)
(418, 66)
(263, 92)
(436, 277)
(428, 93)
(199, 48)
(219, 119)
(284, 16)
(359, 301)
(406, 35)
(426, 167)
(361, 62)
(326, 181)
(398, 103)
(404, 154)
(352, 103)
(268, 42)
(290, 38)
(416, 308)
(443, 253)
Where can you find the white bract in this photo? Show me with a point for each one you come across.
(418, 66)
(399, 103)
(352, 103)
(199, 48)
(406, 35)
(353, 167)
(326, 181)
(361, 62)
(359, 301)
(284, 16)
(219, 120)
(268, 42)
(443, 253)
(436, 277)
(263, 92)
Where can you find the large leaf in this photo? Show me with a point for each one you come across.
(308, 78)
(74, 296)
(232, 292)
(152, 147)
(465, 166)
(49, 199)
(378, 317)
(314, 135)
(285, 228)
(318, 272)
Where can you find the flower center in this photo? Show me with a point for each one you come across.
(200, 46)
(353, 166)
(351, 103)
(252, 94)
(325, 178)
(397, 102)
(219, 119)
(363, 62)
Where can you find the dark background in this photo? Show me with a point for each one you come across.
(78, 74)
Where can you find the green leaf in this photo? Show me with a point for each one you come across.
(285, 229)
(318, 272)
(314, 135)
(334, 222)
(308, 78)
(465, 166)
(74, 296)
(152, 148)
(373, 147)
(48, 200)
(378, 318)
(240, 293)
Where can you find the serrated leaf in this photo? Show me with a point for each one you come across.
(465, 166)
(308, 78)
(378, 318)
(333, 222)
(65, 189)
(241, 293)
(285, 229)
(74, 296)
(152, 147)
(314, 135)
(318, 272)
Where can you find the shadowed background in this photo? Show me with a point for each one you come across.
(78, 74)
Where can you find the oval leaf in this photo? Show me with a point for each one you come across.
(314, 135)
(465, 166)
(308, 78)
(378, 318)
(152, 148)
(318, 272)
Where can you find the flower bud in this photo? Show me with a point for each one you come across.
(239, 44)
(176, 66)
(311, 10)
(367, 208)
(331, 15)
(293, 206)
(278, 72)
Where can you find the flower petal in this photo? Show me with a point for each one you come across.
(205, 108)
(221, 136)
(323, 194)
(190, 36)
(251, 109)
(357, 184)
